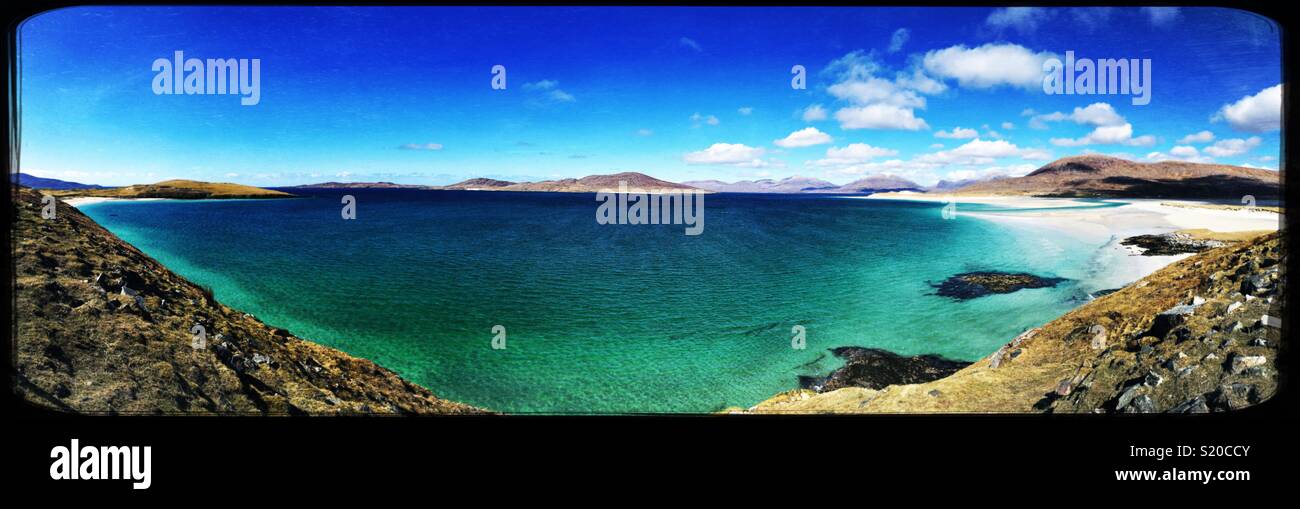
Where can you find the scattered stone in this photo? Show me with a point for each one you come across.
(1064, 388)
(1270, 321)
(1241, 363)
(1127, 397)
(1153, 379)
(1192, 406)
(1233, 307)
(1259, 342)
(1141, 405)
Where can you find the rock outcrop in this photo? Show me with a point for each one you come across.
(970, 285)
(102, 328)
(873, 368)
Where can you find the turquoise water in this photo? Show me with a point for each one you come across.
(605, 318)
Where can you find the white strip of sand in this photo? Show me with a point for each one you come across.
(1107, 226)
(77, 201)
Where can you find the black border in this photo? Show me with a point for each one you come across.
(999, 457)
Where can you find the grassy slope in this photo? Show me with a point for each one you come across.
(84, 346)
(179, 189)
(1062, 350)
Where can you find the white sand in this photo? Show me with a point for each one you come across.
(77, 201)
(1107, 226)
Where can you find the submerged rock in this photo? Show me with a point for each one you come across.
(970, 285)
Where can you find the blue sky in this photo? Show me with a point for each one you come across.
(404, 94)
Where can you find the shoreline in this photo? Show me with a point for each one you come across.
(80, 201)
(1107, 226)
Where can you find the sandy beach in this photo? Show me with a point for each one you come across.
(78, 201)
(1107, 226)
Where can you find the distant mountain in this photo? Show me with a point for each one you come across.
(478, 184)
(786, 185)
(950, 185)
(588, 184)
(180, 189)
(1102, 176)
(357, 185)
(35, 182)
(875, 184)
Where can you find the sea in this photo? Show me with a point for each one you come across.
(523, 303)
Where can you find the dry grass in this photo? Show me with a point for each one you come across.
(179, 189)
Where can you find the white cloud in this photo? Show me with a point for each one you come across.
(421, 146)
(644, 132)
(1024, 20)
(1201, 137)
(957, 133)
(899, 39)
(1232, 147)
(698, 119)
(814, 113)
(730, 154)
(853, 153)
(1108, 135)
(1257, 113)
(1162, 16)
(687, 42)
(876, 90)
(549, 91)
(979, 151)
(876, 102)
(988, 66)
(541, 85)
(805, 137)
(1095, 114)
(561, 96)
(745, 110)
(1180, 153)
(1008, 126)
(879, 116)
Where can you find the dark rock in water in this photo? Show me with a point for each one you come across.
(873, 368)
(1103, 293)
(1170, 244)
(970, 285)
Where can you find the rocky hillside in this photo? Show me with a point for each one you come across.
(479, 184)
(1101, 176)
(1201, 335)
(102, 328)
(179, 189)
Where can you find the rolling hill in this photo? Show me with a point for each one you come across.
(1102, 176)
(35, 182)
(179, 189)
